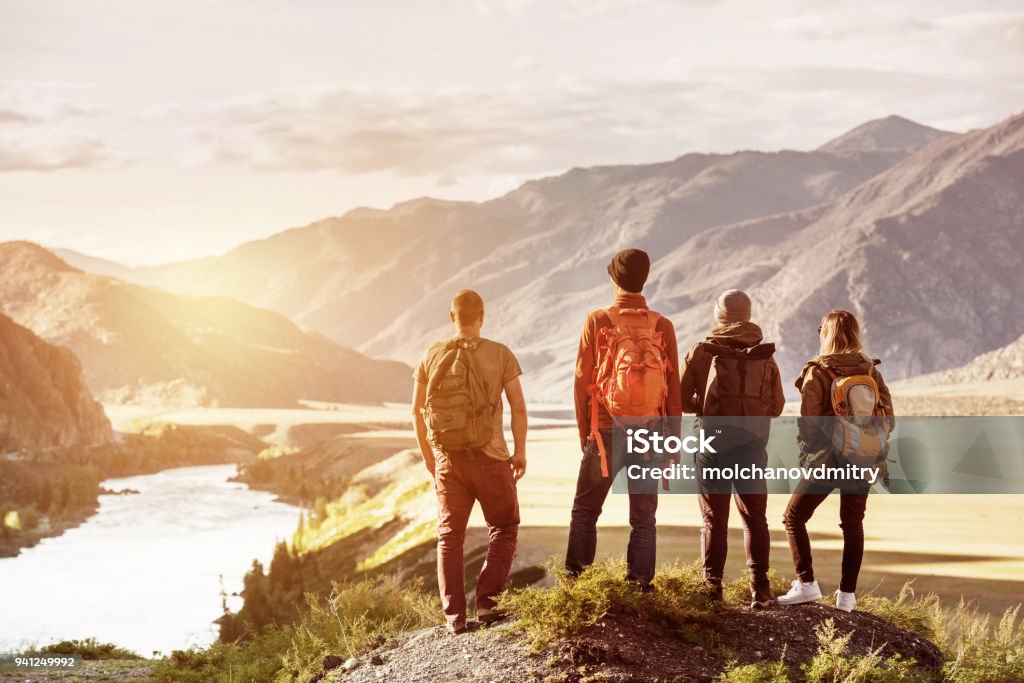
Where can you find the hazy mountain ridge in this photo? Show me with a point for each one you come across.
(861, 223)
(44, 403)
(926, 254)
(381, 280)
(1002, 364)
(143, 345)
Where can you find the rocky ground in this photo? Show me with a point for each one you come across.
(625, 647)
(105, 671)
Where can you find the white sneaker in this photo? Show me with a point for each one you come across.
(845, 601)
(800, 593)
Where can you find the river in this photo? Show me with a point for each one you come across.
(145, 571)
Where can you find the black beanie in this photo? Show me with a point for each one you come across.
(629, 269)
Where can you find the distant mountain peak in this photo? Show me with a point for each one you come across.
(30, 252)
(891, 132)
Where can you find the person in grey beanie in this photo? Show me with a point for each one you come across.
(728, 375)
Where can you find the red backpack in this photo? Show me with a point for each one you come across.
(631, 372)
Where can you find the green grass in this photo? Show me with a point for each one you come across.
(355, 617)
(833, 664)
(975, 650)
(545, 615)
(90, 650)
(761, 672)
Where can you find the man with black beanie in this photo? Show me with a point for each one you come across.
(603, 329)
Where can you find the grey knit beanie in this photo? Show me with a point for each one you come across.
(732, 307)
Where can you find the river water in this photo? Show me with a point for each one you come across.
(146, 571)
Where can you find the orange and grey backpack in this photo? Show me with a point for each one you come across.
(631, 372)
(860, 432)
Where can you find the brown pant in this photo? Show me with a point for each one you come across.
(714, 535)
(751, 502)
(806, 499)
(460, 480)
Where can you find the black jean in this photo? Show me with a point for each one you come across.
(751, 501)
(591, 491)
(806, 499)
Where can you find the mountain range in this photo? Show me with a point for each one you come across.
(44, 402)
(916, 230)
(141, 345)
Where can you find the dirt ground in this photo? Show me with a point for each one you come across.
(629, 647)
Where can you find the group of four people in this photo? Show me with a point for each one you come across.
(457, 408)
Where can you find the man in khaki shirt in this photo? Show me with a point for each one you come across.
(488, 473)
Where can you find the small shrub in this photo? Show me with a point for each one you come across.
(255, 659)
(89, 649)
(976, 653)
(832, 664)
(354, 616)
(761, 672)
(907, 611)
(544, 615)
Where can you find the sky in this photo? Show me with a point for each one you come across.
(150, 131)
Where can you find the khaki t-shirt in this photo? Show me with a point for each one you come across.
(497, 366)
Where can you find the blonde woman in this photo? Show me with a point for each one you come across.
(840, 355)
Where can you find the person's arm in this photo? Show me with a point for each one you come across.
(673, 401)
(517, 407)
(885, 400)
(584, 376)
(811, 423)
(419, 399)
(778, 395)
(688, 383)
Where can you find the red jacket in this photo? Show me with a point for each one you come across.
(586, 359)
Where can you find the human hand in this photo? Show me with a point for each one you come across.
(518, 464)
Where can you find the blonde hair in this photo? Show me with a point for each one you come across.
(839, 333)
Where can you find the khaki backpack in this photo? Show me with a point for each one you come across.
(458, 411)
(738, 391)
(859, 434)
(631, 372)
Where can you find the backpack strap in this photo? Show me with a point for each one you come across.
(452, 349)
(467, 352)
(595, 397)
(600, 343)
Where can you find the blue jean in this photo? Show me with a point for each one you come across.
(591, 491)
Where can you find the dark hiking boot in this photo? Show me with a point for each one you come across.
(761, 597)
(711, 590)
(639, 586)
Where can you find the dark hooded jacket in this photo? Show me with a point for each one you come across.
(697, 365)
(815, 385)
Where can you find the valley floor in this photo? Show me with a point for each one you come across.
(963, 545)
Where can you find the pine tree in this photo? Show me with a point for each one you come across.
(257, 609)
(321, 510)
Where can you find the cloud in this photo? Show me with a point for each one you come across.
(523, 129)
(39, 131)
(47, 153)
(415, 132)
